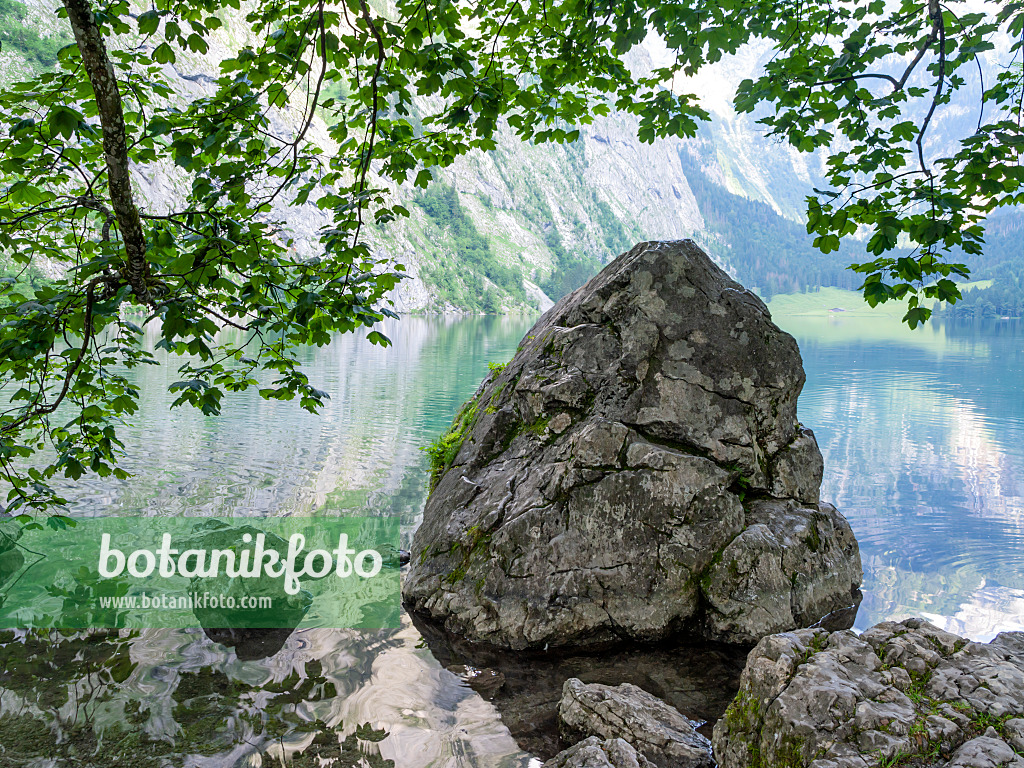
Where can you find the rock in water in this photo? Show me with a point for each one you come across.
(904, 693)
(657, 731)
(636, 470)
(594, 753)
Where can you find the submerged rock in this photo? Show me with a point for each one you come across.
(594, 753)
(699, 679)
(902, 693)
(250, 644)
(486, 682)
(636, 471)
(659, 732)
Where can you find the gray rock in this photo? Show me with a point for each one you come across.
(1014, 730)
(784, 570)
(594, 753)
(659, 732)
(637, 470)
(906, 692)
(988, 751)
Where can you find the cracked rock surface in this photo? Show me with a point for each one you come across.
(636, 471)
(657, 731)
(900, 694)
(594, 753)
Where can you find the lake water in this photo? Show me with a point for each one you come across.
(923, 438)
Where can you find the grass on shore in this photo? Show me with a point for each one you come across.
(832, 302)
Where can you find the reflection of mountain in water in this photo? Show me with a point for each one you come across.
(189, 695)
(269, 457)
(924, 452)
(963, 602)
(179, 694)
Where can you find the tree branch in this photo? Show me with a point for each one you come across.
(31, 411)
(115, 147)
(938, 31)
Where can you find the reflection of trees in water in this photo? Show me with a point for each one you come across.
(261, 457)
(978, 330)
(962, 600)
(360, 457)
(153, 698)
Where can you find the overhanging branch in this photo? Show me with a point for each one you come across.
(115, 147)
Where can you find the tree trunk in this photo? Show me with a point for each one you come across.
(115, 144)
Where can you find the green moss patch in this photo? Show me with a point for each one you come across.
(476, 546)
(442, 452)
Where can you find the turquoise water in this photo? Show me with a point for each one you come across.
(923, 438)
(362, 454)
(922, 434)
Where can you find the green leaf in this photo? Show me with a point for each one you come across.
(63, 121)
(423, 178)
(375, 337)
(164, 54)
(196, 43)
(149, 22)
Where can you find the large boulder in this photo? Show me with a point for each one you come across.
(902, 693)
(659, 732)
(637, 470)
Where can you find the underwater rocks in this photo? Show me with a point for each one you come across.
(636, 471)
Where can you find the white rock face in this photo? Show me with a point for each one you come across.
(600, 195)
(644, 183)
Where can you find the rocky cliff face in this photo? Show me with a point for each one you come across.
(594, 197)
(636, 470)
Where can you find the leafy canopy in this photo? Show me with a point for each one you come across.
(404, 91)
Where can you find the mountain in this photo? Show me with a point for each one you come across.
(517, 226)
(523, 224)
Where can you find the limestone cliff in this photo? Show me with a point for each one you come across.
(534, 203)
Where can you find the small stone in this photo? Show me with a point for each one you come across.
(658, 731)
(560, 423)
(1014, 730)
(955, 715)
(877, 716)
(900, 678)
(985, 752)
(940, 730)
(594, 753)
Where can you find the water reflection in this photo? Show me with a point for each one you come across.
(182, 697)
(923, 438)
(268, 457)
(698, 680)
